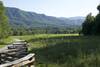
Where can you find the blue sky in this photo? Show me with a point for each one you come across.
(58, 8)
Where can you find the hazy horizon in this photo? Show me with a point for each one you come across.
(61, 8)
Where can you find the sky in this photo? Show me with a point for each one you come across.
(57, 8)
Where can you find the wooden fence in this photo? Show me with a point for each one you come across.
(25, 61)
(16, 56)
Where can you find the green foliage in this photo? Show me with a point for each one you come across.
(49, 30)
(98, 7)
(97, 25)
(4, 28)
(91, 26)
(88, 25)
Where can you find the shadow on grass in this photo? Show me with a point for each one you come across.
(66, 51)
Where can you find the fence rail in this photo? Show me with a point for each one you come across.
(27, 60)
(16, 55)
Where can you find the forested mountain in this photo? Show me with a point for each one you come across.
(20, 18)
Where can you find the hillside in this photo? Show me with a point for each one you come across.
(20, 18)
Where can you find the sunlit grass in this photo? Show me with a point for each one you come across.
(11, 39)
(27, 37)
(53, 49)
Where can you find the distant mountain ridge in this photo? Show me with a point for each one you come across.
(20, 18)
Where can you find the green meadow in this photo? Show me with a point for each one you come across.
(63, 50)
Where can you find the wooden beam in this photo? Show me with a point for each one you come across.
(21, 62)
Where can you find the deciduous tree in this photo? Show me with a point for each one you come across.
(4, 26)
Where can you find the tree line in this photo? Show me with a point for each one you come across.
(91, 25)
(31, 31)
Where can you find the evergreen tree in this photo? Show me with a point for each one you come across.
(88, 25)
(98, 7)
(96, 29)
(91, 26)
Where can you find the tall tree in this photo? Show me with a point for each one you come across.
(4, 26)
(88, 25)
(97, 22)
(98, 7)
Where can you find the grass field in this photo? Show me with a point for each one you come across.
(63, 50)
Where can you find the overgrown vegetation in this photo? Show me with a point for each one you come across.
(64, 50)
